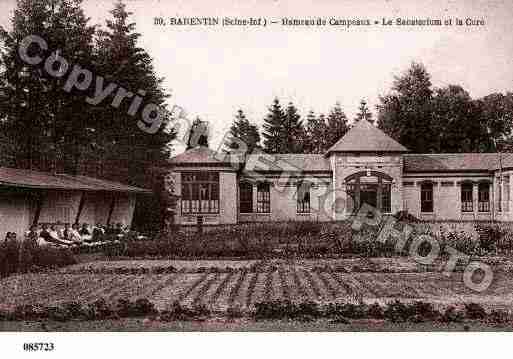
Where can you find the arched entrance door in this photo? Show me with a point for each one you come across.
(371, 188)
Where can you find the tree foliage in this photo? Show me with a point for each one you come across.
(45, 123)
(51, 128)
(122, 61)
(283, 130)
(444, 119)
(316, 131)
(406, 113)
(337, 126)
(244, 131)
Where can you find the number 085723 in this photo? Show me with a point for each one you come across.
(38, 347)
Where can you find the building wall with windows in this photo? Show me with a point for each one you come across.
(366, 166)
(503, 194)
(206, 193)
(224, 195)
(372, 178)
(463, 196)
(273, 198)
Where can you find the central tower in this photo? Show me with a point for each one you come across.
(367, 169)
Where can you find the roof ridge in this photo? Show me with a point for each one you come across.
(365, 137)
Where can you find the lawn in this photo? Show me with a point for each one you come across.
(250, 282)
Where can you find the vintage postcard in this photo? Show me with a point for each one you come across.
(244, 166)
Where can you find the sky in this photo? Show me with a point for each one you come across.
(211, 72)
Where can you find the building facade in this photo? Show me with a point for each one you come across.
(33, 197)
(365, 167)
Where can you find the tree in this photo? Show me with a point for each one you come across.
(497, 119)
(198, 134)
(120, 60)
(293, 130)
(457, 123)
(45, 123)
(315, 133)
(406, 113)
(363, 112)
(337, 126)
(244, 131)
(273, 129)
(117, 138)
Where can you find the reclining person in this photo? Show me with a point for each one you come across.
(85, 233)
(50, 236)
(98, 233)
(73, 234)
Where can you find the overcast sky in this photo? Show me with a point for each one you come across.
(213, 71)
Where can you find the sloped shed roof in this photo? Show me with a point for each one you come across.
(23, 178)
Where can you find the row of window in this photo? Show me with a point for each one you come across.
(263, 204)
(200, 194)
(467, 197)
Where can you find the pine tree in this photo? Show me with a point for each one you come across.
(117, 138)
(273, 129)
(363, 112)
(337, 126)
(293, 130)
(244, 131)
(46, 123)
(123, 62)
(315, 134)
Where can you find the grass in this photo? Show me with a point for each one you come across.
(235, 325)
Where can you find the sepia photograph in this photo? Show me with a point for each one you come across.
(255, 166)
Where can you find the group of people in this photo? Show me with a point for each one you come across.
(72, 235)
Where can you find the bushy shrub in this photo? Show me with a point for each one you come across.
(375, 311)
(405, 216)
(499, 317)
(414, 312)
(474, 311)
(489, 236)
(141, 307)
(59, 314)
(28, 312)
(251, 241)
(17, 257)
(75, 310)
(460, 240)
(50, 257)
(452, 315)
(287, 310)
(234, 312)
(346, 310)
(99, 310)
(179, 312)
(398, 312)
(424, 311)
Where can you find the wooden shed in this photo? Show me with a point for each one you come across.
(30, 197)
